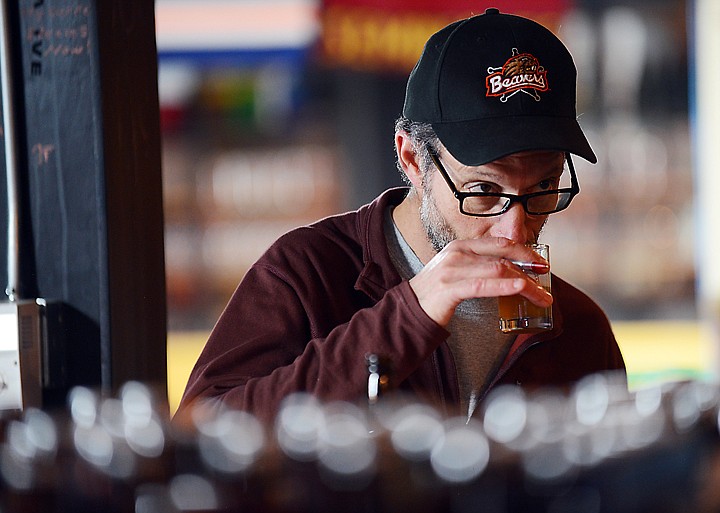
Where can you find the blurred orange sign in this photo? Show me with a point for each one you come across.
(388, 35)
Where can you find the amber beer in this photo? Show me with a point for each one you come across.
(517, 314)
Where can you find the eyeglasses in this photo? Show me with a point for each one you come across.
(488, 204)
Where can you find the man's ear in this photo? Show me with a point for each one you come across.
(407, 158)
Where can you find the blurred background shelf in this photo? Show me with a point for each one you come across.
(263, 133)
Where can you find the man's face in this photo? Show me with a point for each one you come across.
(520, 173)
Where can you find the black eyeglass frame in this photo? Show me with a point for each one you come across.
(523, 199)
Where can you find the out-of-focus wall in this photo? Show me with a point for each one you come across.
(705, 113)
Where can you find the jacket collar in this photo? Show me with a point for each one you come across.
(378, 274)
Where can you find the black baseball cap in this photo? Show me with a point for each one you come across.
(496, 84)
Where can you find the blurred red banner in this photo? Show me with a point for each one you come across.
(466, 7)
(388, 35)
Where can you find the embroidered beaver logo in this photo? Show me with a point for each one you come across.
(520, 73)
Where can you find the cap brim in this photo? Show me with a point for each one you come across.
(478, 142)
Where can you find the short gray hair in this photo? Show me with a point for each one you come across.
(422, 136)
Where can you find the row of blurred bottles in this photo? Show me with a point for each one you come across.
(596, 448)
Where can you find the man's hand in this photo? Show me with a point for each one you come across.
(474, 268)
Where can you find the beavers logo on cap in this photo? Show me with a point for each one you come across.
(521, 72)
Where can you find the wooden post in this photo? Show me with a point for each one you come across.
(91, 191)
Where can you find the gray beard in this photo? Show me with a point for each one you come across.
(437, 230)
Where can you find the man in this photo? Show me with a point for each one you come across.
(414, 276)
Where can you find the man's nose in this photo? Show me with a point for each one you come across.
(512, 224)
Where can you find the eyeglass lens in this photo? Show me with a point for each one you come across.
(540, 204)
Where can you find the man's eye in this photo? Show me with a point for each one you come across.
(547, 185)
(482, 187)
